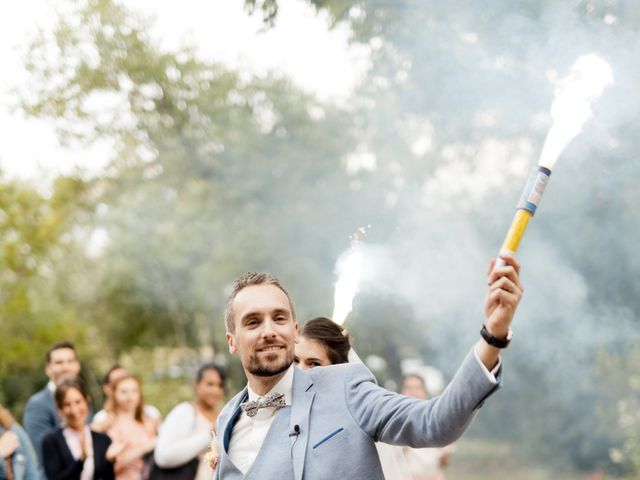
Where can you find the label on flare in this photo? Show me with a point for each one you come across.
(534, 189)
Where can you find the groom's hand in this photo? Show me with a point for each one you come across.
(503, 295)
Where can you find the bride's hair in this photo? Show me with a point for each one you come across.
(334, 338)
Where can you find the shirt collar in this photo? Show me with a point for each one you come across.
(284, 386)
(51, 386)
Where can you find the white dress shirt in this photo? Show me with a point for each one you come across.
(249, 432)
(491, 375)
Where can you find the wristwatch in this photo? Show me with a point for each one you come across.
(496, 342)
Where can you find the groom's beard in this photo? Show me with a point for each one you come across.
(270, 364)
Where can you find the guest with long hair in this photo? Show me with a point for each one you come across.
(102, 417)
(322, 342)
(133, 434)
(74, 452)
(186, 432)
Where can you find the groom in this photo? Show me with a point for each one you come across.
(324, 422)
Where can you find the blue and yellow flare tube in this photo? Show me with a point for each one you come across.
(529, 201)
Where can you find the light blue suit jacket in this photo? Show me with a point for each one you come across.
(23, 460)
(340, 412)
(40, 417)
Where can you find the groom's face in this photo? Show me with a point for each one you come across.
(264, 330)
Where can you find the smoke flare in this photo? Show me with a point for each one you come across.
(571, 108)
(349, 267)
(349, 270)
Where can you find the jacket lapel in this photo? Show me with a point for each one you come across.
(301, 402)
(234, 411)
(64, 448)
(51, 407)
(226, 422)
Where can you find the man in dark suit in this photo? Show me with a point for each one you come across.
(40, 414)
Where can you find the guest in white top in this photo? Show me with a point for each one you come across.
(424, 463)
(74, 452)
(186, 432)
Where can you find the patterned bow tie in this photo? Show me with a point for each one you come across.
(272, 400)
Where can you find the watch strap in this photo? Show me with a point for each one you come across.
(494, 341)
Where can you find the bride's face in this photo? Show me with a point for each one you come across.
(310, 353)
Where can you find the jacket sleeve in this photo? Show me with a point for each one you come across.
(26, 449)
(37, 423)
(54, 464)
(400, 420)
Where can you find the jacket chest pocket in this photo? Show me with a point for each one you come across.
(330, 440)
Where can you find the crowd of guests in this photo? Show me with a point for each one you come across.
(63, 439)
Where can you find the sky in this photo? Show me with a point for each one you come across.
(319, 59)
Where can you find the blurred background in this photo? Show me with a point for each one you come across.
(152, 151)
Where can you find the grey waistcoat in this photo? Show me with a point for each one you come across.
(276, 445)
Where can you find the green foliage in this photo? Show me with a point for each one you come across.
(212, 175)
(37, 235)
(269, 9)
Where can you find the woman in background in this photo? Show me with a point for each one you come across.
(185, 434)
(74, 452)
(133, 434)
(424, 463)
(102, 417)
(323, 342)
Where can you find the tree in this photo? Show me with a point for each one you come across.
(39, 236)
(212, 175)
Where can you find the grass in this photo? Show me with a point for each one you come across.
(483, 460)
